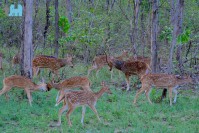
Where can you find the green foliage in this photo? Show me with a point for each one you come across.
(166, 33)
(184, 37)
(2, 13)
(64, 24)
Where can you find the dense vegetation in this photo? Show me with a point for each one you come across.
(88, 28)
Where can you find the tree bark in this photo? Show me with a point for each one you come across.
(135, 36)
(27, 45)
(47, 20)
(180, 6)
(154, 31)
(69, 10)
(56, 29)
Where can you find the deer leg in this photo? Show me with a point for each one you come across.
(127, 82)
(91, 69)
(63, 109)
(4, 90)
(139, 92)
(95, 111)
(71, 108)
(29, 96)
(83, 114)
(35, 71)
(147, 95)
(111, 74)
(176, 93)
(170, 95)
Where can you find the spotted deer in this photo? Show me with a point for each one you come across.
(1, 61)
(141, 58)
(21, 82)
(100, 61)
(75, 99)
(50, 62)
(172, 82)
(68, 84)
(129, 68)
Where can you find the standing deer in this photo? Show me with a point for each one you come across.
(71, 83)
(21, 82)
(169, 81)
(74, 99)
(129, 68)
(100, 61)
(50, 62)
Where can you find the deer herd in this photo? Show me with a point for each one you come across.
(71, 99)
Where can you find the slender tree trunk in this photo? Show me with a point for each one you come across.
(154, 30)
(180, 6)
(56, 29)
(135, 35)
(47, 20)
(69, 10)
(143, 33)
(173, 22)
(28, 48)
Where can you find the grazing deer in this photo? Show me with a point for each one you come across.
(74, 99)
(172, 82)
(1, 61)
(129, 68)
(21, 82)
(50, 62)
(71, 83)
(100, 61)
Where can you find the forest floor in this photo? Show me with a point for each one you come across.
(117, 112)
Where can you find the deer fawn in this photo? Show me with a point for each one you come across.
(21, 82)
(1, 61)
(74, 99)
(129, 68)
(71, 83)
(100, 61)
(54, 64)
(169, 81)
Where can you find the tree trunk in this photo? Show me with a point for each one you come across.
(180, 6)
(56, 29)
(27, 45)
(47, 20)
(135, 36)
(154, 31)
(69, 10)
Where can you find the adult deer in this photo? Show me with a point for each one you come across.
(172, 82)
(50, 62)
(129, 68)
(74, 99)
(74, 82)
(21, 82)
(100, 61)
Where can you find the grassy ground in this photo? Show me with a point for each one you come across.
(117, 112)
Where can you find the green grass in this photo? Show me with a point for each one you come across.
(117, 112)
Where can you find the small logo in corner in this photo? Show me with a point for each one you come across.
(15, 11)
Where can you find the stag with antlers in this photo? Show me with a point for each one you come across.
(100, 61)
